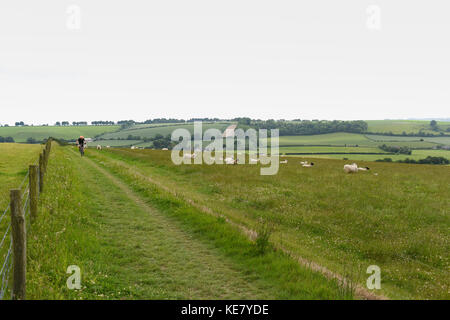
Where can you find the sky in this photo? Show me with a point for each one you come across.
(85, 60)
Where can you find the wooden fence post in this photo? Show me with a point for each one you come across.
(45, 160)
(41, 172)
(18, 231)
(33, 191)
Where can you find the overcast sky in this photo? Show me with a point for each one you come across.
(317, 59)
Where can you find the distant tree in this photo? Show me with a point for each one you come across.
(9, 139)
(57, 123)
(433, 125)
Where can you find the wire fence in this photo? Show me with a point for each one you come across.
(5, 270)
(6, 237)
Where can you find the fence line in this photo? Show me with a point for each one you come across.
(21, 205)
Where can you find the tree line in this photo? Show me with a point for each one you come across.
(305, 127)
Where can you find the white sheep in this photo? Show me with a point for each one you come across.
(230, 161)
(190, 156)
(254, 160)
(306, 165)
(351, 168)
(303, 162)
(283, 161)
(99, 147)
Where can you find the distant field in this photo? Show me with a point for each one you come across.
(416, 155)
(114, 143)
(397, 220)
(330, 150)
(14, 162)
(408, 126)
(436, 140)
(150, 132)
(335, 139)
(21, 134)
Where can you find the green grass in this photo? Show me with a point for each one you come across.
(434, 140)
(416, 155)
(150, 132)
(400, 126)
(313, 149)
(347, 142)
(134, 241)
(14, 162)
(398, 219)
(333, 139)
(21, 134)
(114, 143)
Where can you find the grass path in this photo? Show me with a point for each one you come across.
(186, 266)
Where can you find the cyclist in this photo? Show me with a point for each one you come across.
(81, 143)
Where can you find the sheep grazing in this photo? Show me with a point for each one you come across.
(230, 161)
(283, 161)
(353, 168)
(303, 162)
(190, 156)
(306, 165)
(99, 147)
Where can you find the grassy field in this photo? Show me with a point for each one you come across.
(416, 155)
(398, 219)
(150, 132)
(314, 149)
(21, 134)
(400, 126)
(359, 143)
(436, 140)
(14, 162)
(333, 139)
(115, 143)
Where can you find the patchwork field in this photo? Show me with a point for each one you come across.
(21, 134)
(400, 126)
(149, 131)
